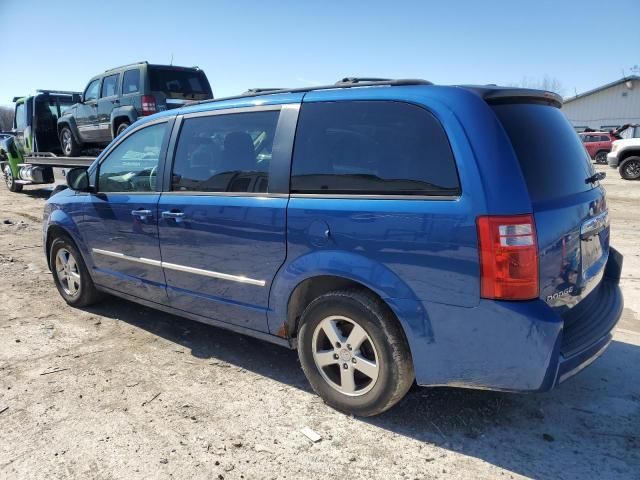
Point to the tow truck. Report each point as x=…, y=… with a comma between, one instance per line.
x=32, y=150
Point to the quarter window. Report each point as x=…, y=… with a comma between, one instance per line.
x=225, y=153
x=132, y=165
x=131, y=81
x=371, y=147
x=91, y=93
x=109, y=86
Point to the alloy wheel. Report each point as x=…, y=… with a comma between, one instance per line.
x=345, y=355
x=8, y=177
x=632, y=169
x=68, y=272
x=66, y=140
x=601, y=157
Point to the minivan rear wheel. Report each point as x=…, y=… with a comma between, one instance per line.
x=630, y=168
x=354, y=352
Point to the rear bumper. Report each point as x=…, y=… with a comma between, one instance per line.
x=612, y=160
x=519, y=346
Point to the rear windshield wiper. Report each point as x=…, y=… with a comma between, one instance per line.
x=596, y=177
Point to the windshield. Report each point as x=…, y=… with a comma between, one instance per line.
x=552, y=157
x=187, y=84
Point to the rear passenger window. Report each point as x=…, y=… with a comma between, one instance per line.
x=131, y=81
x=371, y=147
x=225, y=153
x=109, y=85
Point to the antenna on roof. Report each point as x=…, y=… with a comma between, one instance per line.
x=171, y=62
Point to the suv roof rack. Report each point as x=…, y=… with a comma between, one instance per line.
x=262, y=90
x=57, y=92
x=347, y=82
x=127, y=65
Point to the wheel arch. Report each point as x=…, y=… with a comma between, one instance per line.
x=61, y=225
x=69, y=122
x=299, y=284
x=625, y=154
x=120, y=115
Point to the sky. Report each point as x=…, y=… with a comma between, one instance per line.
x=242, y=44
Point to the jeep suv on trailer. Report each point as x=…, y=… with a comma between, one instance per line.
x=116, y=98
x=394, y=231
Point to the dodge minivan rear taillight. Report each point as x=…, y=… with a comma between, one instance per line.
x=508, y=257
x=148, y=105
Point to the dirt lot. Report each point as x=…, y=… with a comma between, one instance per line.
x=121, y=391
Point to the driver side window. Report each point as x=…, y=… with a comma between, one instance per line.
x=91, y=93
x=132, y=166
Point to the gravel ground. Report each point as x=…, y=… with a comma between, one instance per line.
x=122, y=391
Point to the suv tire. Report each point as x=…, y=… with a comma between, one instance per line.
x=70, y=147
x=601, y=157
x=10, y=181
x=354, y=352
x=70, y=273
x=630, y=168
x=122, y=127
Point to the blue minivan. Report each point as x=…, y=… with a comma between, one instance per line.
x=390, y=231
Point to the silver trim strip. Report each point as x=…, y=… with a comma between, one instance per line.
x=209, y=273
x=146, y=261
x=357, y=196
x=182, y=268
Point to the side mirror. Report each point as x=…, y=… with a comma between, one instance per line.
x=78, y=179
x=76, y=98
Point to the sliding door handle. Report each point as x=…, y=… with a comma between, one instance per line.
x=141, y=213
x=173, y=215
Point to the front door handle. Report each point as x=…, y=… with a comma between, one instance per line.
x=142, y=213
x=175, y=215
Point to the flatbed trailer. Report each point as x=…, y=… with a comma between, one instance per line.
x=46, y=159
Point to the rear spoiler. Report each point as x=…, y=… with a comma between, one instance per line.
x=493, y=95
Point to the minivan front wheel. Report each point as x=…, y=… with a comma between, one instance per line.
x=70, y=274
x=354, y=352
x=630, y=169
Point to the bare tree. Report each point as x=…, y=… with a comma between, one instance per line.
x=6, y=118
x=547, y=82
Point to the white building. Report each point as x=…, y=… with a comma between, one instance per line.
x=607, y=107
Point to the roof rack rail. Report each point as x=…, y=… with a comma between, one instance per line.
x=351, y=80
x=347, y=82
x=57, y=92
x=263, y=90
x=127, y=65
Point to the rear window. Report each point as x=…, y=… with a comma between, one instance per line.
x=551, y=155
x=183, y=84
x=371, y=148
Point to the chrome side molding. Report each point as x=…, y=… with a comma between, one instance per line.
x=182, y=268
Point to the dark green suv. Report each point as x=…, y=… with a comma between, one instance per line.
x=116, y=98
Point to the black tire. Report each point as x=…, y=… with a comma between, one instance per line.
x=121, y=128
x=385, y=346
x=10, y=181
x=630, y=168
x=601, y=157
x=70, y=147
x=83, y=293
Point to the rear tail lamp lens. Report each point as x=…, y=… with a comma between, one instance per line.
x=149, y=105
x=508, y=257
